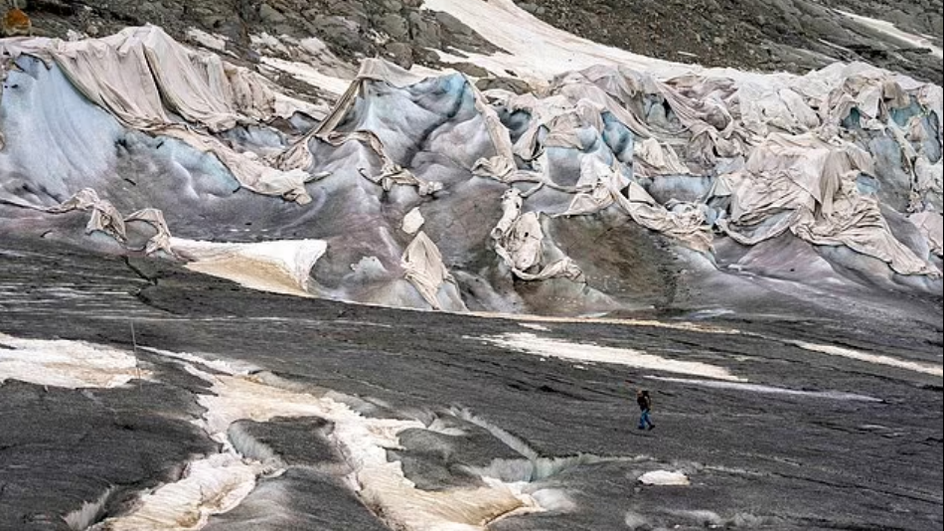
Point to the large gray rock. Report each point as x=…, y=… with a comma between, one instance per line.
x=338, y=30
x=394, y=25
x=400, y=53
x=424, y=30
x=452, y=24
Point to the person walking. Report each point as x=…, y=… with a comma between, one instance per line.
x=645, y=406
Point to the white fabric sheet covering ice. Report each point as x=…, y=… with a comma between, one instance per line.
x=135, y=73
x=106, y=218
x=781, y=153
x=424, y=268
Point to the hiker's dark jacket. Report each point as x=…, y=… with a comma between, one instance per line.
x=644, y=402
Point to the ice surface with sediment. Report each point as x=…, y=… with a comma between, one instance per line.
x=219, y=482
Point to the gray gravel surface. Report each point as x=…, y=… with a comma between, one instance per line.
x=756, y=460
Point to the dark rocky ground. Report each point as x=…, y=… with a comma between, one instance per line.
x=757, y=461
x=398, y=30
x=754, y=34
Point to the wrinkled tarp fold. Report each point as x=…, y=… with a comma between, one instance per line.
x=142, y=76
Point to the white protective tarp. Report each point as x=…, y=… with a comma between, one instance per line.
x=106, y=218
x=143, y=77
x=931, y=226
x=811, y=185
x=299, y=155
x=424, y=268
x=519, y=240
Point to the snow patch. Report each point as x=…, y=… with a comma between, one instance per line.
x=891, y=30
x=309, y=74
x=362, y=441
x=62, y=363
x=280, y=266
x=522, y=319
x=664, y=478
x=536, y=51
x=231, y=367
x=766, y=389
x=212, y=485
x=213, y=42
x=878, y=359
x=532, y=344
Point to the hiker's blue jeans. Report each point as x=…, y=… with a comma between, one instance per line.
x=644, y=421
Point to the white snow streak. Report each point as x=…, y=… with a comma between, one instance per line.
x=538, y=51
x=61, y=363
x=879, y=359
x=889, y=29
x=556, y=348
x=664, y=478
x=766, y=389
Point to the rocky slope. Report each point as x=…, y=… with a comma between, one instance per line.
x=792, y=35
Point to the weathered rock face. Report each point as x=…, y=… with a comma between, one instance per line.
x=779, y=35
x=398, y=30
x=757, y=34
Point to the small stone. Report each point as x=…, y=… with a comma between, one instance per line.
x=270, y=15
x=719, y=41
x=400, y=54
x=286, y=29
x=470, y=69
x=394, y=6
